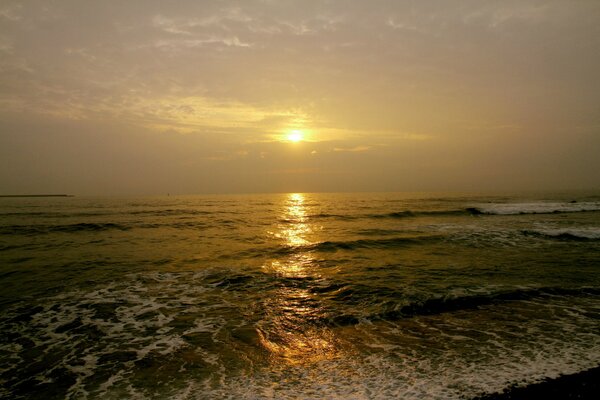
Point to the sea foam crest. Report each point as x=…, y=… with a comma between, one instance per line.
x=536, y=208
x=583, y=233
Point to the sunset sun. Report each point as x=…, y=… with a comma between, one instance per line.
x=295, y=136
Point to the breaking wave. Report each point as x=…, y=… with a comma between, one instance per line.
x=534, y=208
x=575, y=234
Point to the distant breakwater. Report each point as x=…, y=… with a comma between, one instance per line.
x=36, y=195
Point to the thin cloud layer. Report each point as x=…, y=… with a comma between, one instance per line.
x=391, y=95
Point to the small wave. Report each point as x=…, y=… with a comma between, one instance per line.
x=575, y=234
x=395, y=214
x=28, y=214
x=58, y=214
x=332, y=216
x=42, y=229
x=425, y=213
x=334, y=246
x=86, y=226
x=533, y=208
x=442, y=305
x=168, y=212
x=448, y=304
x=384, y=243
x=379, y=232
x=478, y=209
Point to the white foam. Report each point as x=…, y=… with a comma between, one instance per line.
x=139, y=312
x=583, y=232
x=536, y=208
x=83, y=372
x=447, y=356
x=434, y=366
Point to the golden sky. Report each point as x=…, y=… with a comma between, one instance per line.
x=154, y=97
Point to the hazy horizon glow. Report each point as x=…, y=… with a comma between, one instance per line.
x=146, y=97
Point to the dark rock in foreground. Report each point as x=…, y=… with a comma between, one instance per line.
x=582, y=385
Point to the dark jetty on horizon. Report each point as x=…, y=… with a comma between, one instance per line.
x=36, y=195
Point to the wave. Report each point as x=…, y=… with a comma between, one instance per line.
x=168, y=212
x=332, y=216
x=396, y=214
x=332, y=246
x=575, y=234
x=383, y=243
x=69, y=228
x=27, y=214
x=475, y=210
x=56, y=214
x=174, y=324
x=97, y=227
x=432, y=213
x=533, y=208
x=440, y=305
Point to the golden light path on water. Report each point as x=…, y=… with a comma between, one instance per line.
x=293, y=329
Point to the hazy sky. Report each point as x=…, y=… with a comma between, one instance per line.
x=155, y=97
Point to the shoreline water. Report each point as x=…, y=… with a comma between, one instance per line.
x=338, y=296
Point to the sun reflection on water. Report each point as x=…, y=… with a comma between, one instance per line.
x=296, y=221
x=293, y=329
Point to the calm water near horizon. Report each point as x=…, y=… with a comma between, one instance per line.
x=296, y=295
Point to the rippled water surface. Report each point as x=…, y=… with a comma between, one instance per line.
x=295, y=296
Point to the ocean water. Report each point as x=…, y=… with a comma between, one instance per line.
x=350, y=296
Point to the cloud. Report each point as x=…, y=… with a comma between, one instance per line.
x=11, y=12
x=179, y=44
x=415, y=136
x=355, y=149
x=496, y=17
x=425, y=80
x=221, y=20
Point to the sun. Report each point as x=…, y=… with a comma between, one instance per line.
x=295, y=136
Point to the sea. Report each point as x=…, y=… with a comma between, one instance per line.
x=296, y=296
